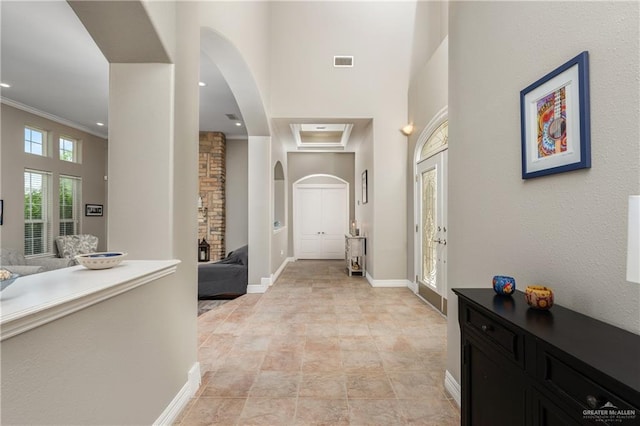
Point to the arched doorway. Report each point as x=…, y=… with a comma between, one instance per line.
x=238, y=76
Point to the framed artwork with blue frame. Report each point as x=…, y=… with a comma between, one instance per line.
x=555, y=122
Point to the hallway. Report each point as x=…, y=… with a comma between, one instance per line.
x=320, y=347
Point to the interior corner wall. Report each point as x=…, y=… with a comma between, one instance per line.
x=569, y=230
x=92, y=170
x=237, y=185
x=428, y=94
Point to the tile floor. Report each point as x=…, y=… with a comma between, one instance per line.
x=322, y=348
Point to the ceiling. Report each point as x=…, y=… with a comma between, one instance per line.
x=59, y=72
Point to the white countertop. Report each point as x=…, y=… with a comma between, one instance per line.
x=37, y=299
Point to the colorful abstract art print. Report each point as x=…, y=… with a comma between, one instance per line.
x=554, y=121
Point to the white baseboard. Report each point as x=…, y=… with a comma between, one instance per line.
x=275, y=275
x=180, y=401
x=452, y=387
x=387, y=283
x=265, y=282
x=413, y=286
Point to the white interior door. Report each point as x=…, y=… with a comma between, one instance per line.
x=432, y=226
x=309, y=211
x=334, y=222
x=321, y=221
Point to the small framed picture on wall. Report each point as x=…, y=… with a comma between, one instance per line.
x=365, y=195
x=93, y=209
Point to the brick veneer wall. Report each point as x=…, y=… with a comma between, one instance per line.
x=212, y=177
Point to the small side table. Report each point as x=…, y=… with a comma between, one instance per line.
x=355, y=253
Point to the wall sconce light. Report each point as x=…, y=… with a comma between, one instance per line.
x=408, y=129
x=633, y=240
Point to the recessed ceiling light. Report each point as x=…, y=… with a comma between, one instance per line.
x=202, y=84
x=5, y=85
x=99, y=124
x=239, y=124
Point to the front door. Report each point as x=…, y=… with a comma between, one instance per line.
x=432, y=229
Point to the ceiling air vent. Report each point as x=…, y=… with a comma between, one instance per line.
x=232, y=117
x=342, y=61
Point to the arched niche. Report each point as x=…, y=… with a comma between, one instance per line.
x=279, y=197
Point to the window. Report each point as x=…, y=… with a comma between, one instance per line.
x=35, y=141
x=437, y=141
x=70, y=205
x=37, y=212
x=69, y=150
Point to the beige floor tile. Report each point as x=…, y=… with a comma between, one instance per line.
x=214, y=411
x=323, y=386
x=357, y=343
x=322, y=348
x=282, y=361
x=229, y=383
x=362, y=361
x=369, y=386
x=326, y=412
x=414, y=384
x=314, y=361
x=430, y=411
x=276, y=384
x=374, y=412
x=268, y=411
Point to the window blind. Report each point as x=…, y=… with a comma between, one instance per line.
x=37, y=213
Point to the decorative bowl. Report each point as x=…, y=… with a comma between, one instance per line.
x=539, y=297
x=102, y=260
x=6, y=283
x=504, y=285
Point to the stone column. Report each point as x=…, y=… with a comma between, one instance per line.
x=212, y=178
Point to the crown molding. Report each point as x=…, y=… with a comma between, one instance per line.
x=52, y=117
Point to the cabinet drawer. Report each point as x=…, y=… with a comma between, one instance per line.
x=506, y=339
x=577, y=387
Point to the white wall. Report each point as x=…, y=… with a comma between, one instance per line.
x=260, y=207
x=567, y=231
x=141, y=158
x=305, y=37
x=237, y=202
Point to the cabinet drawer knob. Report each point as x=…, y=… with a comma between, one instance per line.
x=486, y=328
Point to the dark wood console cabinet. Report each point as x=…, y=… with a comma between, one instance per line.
x=522, y=366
